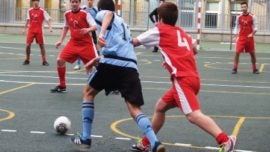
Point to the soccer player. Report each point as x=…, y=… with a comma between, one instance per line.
x=247, y=23
x=34, y=23
x=93, y=12
x=81, y=24
x=117, y=70
x=178, y=49
x=154, y=18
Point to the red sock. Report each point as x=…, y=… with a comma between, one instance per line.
x=27, y=57
x=254, y=66
x=145, y=141
x=44, y=58
x=235, y=66
x=222, y=138
x=62, y=76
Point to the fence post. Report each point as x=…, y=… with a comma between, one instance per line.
x=199, y=25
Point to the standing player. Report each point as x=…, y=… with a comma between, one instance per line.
x=245, y=42
x=34, y=23
x=154, y=18
x=117, y=70
x=80, y=44
x=93, y=12
x=178, y=51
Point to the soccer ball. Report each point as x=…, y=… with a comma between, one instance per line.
x=62, y=125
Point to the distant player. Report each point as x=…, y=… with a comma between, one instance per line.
x=117, y=70
x=93, y=12
x=247, y=23
x=81, y=24
x=34, y=23
x=178, y=49
x=154, y=18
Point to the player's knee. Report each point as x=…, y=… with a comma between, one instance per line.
x=60, y=63
x=89, y=93
x=194, y=117
x=160, y=107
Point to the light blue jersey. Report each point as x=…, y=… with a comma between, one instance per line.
x=119, y=51
x=92, y=10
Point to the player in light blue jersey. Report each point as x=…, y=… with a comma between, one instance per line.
x=93, y=12
x=117, y=70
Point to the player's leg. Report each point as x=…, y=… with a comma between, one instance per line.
x=253, y=61
x=239, y=48
x=236, y=62
x=43, y=55
x=29, y=40
x=78, y=65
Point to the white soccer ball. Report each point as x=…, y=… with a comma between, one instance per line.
x=62, y=125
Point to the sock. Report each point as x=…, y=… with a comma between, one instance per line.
x=145, y=142
x=79, y=62
x=88, y=113
x=43, y=58
x=145, y=125
x=62, y=76
x=222, y=138
x=235, y=66
x=254, y=66
x=27, y=57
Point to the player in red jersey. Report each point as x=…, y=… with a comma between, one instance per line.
x=81, y=24
x=247, y=25
x=178, y=49
x=34, y=23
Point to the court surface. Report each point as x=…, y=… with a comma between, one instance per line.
x=239, y=103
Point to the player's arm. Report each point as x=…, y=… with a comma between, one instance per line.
x=236, y=28
x=107, y=20
x=27, y=22
x=152, y=15
x=148, y=39
x=63, y=35
x=255, y=26
x=48, y=20
x=92, y=24
x=194, y=45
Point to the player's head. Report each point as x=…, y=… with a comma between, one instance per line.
x=106, y=5
x=161, y=1
x=168, y=13
x=244, y=7
x=75, y=5
x=35, y=3
x=90, y=3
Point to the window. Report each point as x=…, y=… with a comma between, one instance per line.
x=211, y=15
x=186, y=16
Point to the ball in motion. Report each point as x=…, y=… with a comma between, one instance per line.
x=62, y=125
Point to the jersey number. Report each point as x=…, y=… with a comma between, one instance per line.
x=182, y=42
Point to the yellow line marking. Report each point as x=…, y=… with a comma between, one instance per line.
x=9, y=116
x=211, y=66
x=261, y=68
x=15, y=89
x=238, y=126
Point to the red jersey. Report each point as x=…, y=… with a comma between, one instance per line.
x=246, y=24
x=36, y=16
x=176, y=47
x=76, y=21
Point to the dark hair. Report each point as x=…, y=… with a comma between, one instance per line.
x=168, y=12
x=106, y=5
x=161, y=0
x=244, y=3
x=35, y=0
x=79, y=0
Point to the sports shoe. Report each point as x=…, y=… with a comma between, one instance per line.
x=77, y=67
x=26, y=62
x=256, y=71
x=234, y=71
x=58, y=89
x=139, y=147
x=45, y=63
x=158, y=147
x=81, y=143
x=229, y=145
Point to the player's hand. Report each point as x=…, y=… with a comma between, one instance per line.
x=24, y=31
x=250, y=35
x=101, y=41
x=58, y=44
x=51, y=30
x=85, y=31
x=89, y=66
x=234, y=38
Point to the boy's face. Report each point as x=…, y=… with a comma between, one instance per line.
x=244, y=8
x=75, y=5
x=35, y=3
x=90, y=3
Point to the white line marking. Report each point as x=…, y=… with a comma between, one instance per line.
x=70, y=134
x=183, y=145
x=96, y=136
x=211, y=148
x=8, y=130
x=122, y=138
x=37, y=132
x=238, y=150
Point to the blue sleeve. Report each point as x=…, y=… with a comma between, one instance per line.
x=100, y=15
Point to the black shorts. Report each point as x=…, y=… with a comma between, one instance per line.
x=112, y=78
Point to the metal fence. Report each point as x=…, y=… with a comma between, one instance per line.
x=135, y=13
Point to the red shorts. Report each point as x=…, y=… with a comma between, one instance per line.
x=37, y=36
x=73, y=50
x=183, y=94
x=245, y=45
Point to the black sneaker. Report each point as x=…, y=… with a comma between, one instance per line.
x=81, y=143
x=158, y=147
x=45, y=63
x=155, y=50
x=58, y=89
x=234, y=71
x=256, y=71
x=26, y=62
x=139, y=148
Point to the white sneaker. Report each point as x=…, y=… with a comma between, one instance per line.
x=229, y=145
x=77, y=67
